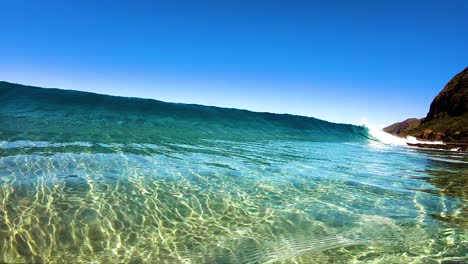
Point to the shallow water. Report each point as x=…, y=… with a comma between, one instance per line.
x=88, y=178
x=231, y=202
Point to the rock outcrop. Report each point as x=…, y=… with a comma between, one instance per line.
x=400, y=128
x=452, y=101
x=447, y=119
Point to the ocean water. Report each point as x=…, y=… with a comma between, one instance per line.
x=88, y=178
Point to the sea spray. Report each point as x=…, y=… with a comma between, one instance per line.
x=377, y=133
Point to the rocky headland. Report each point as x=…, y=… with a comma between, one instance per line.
x=446, y=121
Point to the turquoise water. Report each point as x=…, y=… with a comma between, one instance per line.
x=93, y=178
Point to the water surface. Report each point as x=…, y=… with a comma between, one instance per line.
x=92, y=178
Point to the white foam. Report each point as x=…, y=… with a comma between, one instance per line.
x=386, y=138
x=410, y=139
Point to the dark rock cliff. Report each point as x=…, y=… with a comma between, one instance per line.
x=447, y=119
x=452, y=100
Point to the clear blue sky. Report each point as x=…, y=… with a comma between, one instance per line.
x=336, y=60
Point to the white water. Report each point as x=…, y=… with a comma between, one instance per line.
x=386, y=138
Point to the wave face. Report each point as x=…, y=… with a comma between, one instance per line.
x=64, y=115
x=88, y=178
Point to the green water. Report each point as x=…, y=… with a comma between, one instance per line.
x=91, y=178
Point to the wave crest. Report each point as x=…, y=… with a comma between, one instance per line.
x=38, y=114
